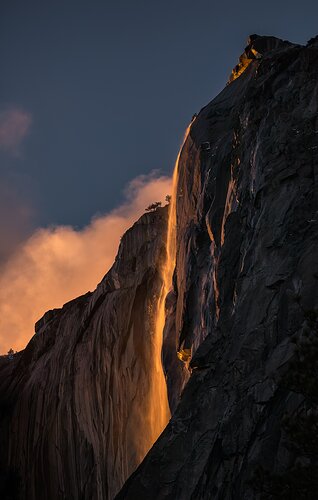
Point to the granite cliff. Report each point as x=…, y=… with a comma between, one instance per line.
x=246, y=275
x=74, y=402
x=87, y=398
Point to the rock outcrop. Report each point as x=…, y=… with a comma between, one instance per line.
x=77, y=405
x=246, y=275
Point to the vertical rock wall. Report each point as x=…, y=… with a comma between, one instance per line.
x=246, y=275
x=75, y=410
x=76, y=406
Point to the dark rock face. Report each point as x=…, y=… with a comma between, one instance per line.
x=77, y=405
x=246, y=275
x=256, y=47
x=74, y=402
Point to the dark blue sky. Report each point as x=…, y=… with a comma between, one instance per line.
x=110, y=86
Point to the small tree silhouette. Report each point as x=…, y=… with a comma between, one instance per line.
x=10, y=353
x=153, y=206
x=168, y=198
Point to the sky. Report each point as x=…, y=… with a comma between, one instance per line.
x=94, y=94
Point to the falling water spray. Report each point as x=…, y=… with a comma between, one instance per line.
x=159, y=406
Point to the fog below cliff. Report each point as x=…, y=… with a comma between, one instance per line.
x=59, y=263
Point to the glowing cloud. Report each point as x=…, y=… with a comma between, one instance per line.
x=57, y=264
x=16, y=219
x=14, y=126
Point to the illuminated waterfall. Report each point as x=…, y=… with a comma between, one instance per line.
x=170, y=262
x=159, y=407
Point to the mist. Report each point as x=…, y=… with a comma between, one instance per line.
x=56, y=264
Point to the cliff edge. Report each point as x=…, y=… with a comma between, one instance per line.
x=246, y=275
x=74, y=401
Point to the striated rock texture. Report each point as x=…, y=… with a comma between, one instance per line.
x=246, y=275
x=77, y=405
x=82, y=404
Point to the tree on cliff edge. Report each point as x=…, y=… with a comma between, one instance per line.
x=153, y=206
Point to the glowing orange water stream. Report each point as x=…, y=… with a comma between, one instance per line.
x=159, y=406
x=170, y=262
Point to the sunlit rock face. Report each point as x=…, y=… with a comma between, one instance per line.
x=256, y=47
x=246, y=274
x=81, y=405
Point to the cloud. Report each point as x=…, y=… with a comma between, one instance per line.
x=59, y=263
x=14, y=127
x=16, y=219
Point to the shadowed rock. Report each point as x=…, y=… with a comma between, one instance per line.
x=246, y=275
x=72, y=404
